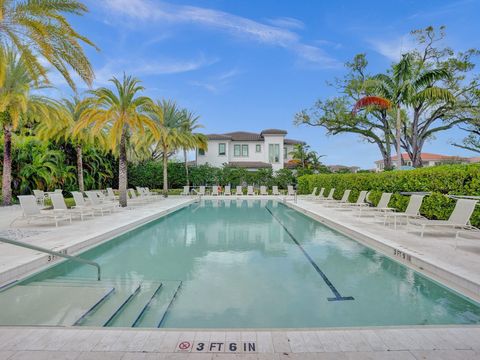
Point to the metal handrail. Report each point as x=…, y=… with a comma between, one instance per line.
x=54, y=253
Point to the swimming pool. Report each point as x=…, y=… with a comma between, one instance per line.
x=234, y=264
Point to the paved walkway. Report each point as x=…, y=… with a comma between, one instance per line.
x=85, y=344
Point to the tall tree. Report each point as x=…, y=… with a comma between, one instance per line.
x=17, y=105
x=168, y=118
x=120, y=113
x=73, y=111
x=472, y=141
x=39, y=29
x=192, y=140
x=373, y=124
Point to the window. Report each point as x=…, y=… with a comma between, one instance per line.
x=201, y=152
x=221, y=149
x=240, y=150
x=258, y=148
x=274, y=153
x=245, y=150
x=285, y=153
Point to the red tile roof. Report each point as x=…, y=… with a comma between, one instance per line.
x=427, y=157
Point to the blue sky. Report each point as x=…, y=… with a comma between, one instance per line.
x=250, y=65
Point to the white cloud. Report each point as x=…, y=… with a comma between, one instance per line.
x=287, y=22
x=217, y=83
x=147, y=11
x=393, y=48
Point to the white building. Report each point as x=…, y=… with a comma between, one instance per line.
x=269, y=149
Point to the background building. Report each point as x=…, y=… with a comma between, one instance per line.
x=267, y=149
x=429, y=159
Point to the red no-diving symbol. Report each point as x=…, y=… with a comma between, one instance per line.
x=184, y=345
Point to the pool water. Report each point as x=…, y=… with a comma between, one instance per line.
x=236, y=264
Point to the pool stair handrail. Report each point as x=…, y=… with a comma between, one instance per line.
x=54, y=253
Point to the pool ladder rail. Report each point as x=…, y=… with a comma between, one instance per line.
x=54, y=253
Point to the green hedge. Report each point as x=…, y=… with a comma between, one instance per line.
x=440, y=180
x=150, y=174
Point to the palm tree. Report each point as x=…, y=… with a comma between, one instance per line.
x=193, y=140
x=301, y=153
x=169, y=118
x=410, y=84
x=119, y=113
x=73, y=111
x=18, y=104
x=40, y=29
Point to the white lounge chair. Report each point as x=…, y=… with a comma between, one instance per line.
x=275, y=190
x=239, y=190
x=215, y=190
x=144, y=193
x=328, y=198
x=291, y=191
x=31, y=211
x=459, y=219
x=319, y=196
x=382, y=206
x=411, y=212
x=60, y=206
x=227, y=191
x=111, y=195
x=201, y=190
x=95, y=203
x=263, y=190
x=39, y=197
x=135, y=198
x=312, y=195
x=250, y=190
x=186, y=191
x=80, y=203
x=343, y=200
x=362, y=196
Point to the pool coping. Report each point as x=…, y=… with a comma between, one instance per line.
x=41, y=261
x=398, y=253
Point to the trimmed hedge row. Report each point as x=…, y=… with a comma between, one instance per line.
x=440, y=180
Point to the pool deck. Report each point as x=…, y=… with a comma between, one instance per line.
x=339, y=344
x=455, y=264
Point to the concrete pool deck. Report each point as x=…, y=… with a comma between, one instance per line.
x=457, y=265
x=340, y=344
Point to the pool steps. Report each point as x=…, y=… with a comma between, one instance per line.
x=128, y=304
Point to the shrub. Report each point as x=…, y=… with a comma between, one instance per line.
x=439, y=180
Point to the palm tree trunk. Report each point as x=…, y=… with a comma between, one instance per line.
x=122, y=171
x=165, y=173
x=397, y=138
x=186, y=166
x=80, y=168
x=7, y=166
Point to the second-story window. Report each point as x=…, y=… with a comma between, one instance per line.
x=245, y=150
x=258, y=148
x=274, y=153
x=240, y=150
x=285, y=153
x=221, y=149
x=201, y=152
x=237, y=149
